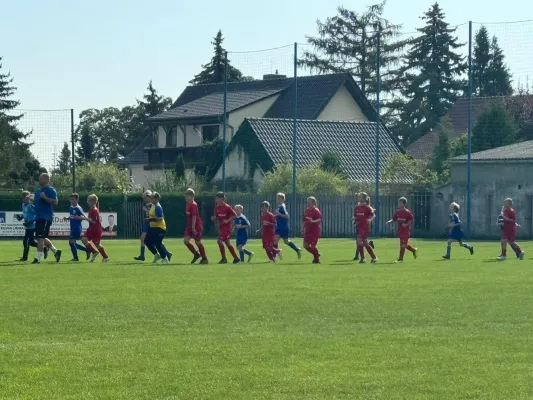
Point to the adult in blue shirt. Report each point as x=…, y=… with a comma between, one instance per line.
x=282, y=225
x=45, y=199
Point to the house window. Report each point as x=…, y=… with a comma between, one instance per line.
x=210, y=132
x=172, y=137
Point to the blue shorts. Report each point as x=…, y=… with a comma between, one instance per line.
x=456, y=236
x=146, y=228
x=75, y=235
x=282, y=232
x=242, y=241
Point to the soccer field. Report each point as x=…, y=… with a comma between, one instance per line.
x=425, y=329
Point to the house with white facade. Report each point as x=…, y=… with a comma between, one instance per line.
x=193, y=126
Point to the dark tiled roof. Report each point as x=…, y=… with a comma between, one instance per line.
x=138, y=155
x=518, y=151
x=422, y=149
x=353, y=142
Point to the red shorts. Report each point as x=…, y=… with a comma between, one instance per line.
x=268, y=244
x=94, y=237
x=363, y=233
x=311, y=239
x=224, y=235
x=509, y=235
x=404, y=237
x=189, y=233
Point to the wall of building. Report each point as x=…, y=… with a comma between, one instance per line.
x=342, y=107
x=142, y=177
x=256, y=110
x=506, y=171
x=237, y=165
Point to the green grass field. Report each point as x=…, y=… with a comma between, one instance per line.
x=426, y=329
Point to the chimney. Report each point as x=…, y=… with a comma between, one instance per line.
x=274, y=76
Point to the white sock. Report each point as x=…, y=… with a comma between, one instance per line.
x=53, y=249
x=39, y=255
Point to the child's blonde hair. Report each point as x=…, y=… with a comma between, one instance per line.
x=190, y=192
x=508, y=199
x=281, y=196
x=312, y=199
x=95, y=199
x=455, y=206
x=147, y=193
x=239, y=207
x=265, y=204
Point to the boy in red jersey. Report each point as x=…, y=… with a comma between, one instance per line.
x=363, y=216
x=224, y=214
x=194, y=229
x=405, y=218
x=268, y=227
x=94, y=232
x=311, y=229
x=509, y=231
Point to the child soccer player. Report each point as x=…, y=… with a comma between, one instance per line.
x=93, y=233
x=370, y=242
x=509, y=231
x=282, y=225
x=28, y=216
x=364, y=215
x=146, y=226
x=241, y=226
x=500, y=224
x=224, y=214
x=311, y=229
x=405, y=218
x=157, y=231
x=268, y=226
x=76, y=215
x=455, y=233
x=194, y=229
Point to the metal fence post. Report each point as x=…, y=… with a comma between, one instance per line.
x=72, y=142
x=378, y=122
x=225, y=120
x=469, y=163
x=294, y=136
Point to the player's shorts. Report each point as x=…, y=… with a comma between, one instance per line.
x=509, y=235
x=94, y=237
x=42, y=228
x=404, y=237
x=311, y=239
x=268, y=243
x=146, y=228
x=456, y=236
x=224, y=235
x=363, y=233
x=282, y=232
x=241, y=241
x=189, y=233
x=75, y=236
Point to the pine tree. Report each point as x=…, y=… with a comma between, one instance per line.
x=481, y=63
x=213, y=72
x=180, y=166
x=347, y=42
x=153, y=103
x=431, y=77
x=494, y=127
x=86, y=150
x=499, y=76
x=64, y=163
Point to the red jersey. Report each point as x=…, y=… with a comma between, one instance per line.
x=362, y=213
x=222, y=214
x=268, y=230
x=95, y=226
x=509, y=225
x=403, y=216
x=191, y=209
x=312, y=229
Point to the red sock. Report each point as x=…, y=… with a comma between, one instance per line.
x=102, y=252
x=233, y=253
x=362, y=251
x=270, y=254
x=192, y=249
x=504, y=251
x=275, y=250
x=516, y=248
x=402, y=252
x=370, y=251
x=410, y=248
x=222, y=250
x=201, y=249
x=310, y=250
x=315, y=253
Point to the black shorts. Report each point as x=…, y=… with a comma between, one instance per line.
x=42, y=228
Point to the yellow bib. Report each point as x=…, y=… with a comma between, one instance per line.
x=157, y=224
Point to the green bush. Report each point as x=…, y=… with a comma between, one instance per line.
x=95, y=177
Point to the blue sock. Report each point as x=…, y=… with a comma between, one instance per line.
x=247, y=252
x=241, y=253
x=143, y=247
x=74, y=250
x=448, y=251
x=81, y=248
x=293, y=246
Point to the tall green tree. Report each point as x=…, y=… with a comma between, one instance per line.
x=521, y=108
x=499, y=75
x=494, y=127
x=481, y=63
x=85, y=151
x=213, y=72
x=64, y=163
x=347, y=42
x=431, y=77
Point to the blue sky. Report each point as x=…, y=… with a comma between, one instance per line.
x=79, y=55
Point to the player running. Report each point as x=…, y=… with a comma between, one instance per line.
x=356, y=227
x=195, y=229
x=282, y=225
x=75, y=217
x=268, y=226
x=509, y=231
x=225, y=215
x=241, y=227
x=147, y=204
x=455, y=233
x=404, y=218
x=311, y=229
x=157, y=232
x=93, y=235
x=28, y=216
x=364, y=215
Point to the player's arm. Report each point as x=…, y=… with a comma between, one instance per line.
x=393, y=219
x=52, y=200
x=285, y=214
x=245, y=224
x=372, y=215
x=318, y=218
x=512, y=218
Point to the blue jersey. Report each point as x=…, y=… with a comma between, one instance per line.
x=43, y=209
x=282, y=223
x=456, y=232
x=243, y=232
x=28, y=211
x=75, y=224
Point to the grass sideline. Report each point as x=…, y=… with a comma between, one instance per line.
x=425, y=329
